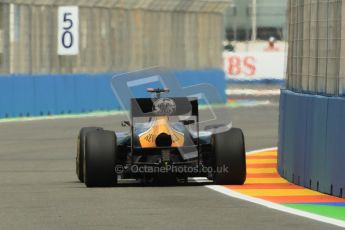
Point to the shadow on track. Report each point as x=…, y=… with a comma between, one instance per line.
x=123, y=183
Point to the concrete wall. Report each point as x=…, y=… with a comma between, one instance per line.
x=113, y=35
x=316, y=41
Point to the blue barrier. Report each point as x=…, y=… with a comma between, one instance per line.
x=316, y=154
x=47, y=94
x=311, y=141
x=6, y=99
x=335, y=140
x=294, y=134
x=281, y=133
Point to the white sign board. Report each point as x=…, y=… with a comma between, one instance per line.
x=254, y=65
x=68, y=30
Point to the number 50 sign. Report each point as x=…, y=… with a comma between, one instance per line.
x=68, y=30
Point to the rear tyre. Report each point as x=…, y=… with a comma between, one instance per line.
x=230, y=157
x=100, y=158
x=81, y=150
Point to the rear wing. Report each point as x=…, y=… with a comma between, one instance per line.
x=152, y=107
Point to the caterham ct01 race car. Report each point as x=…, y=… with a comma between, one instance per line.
x=163, y=143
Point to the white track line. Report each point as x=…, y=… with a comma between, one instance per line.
x=231, y=193
x=262, y=150
x=252, y=92
x=271, y=205
x=65, y=116
x=255, y=103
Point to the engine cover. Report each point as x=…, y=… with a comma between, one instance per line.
x=157, y=135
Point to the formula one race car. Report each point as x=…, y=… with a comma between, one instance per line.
x=164, y=143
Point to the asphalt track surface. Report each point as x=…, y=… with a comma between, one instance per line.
x=39, y=189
